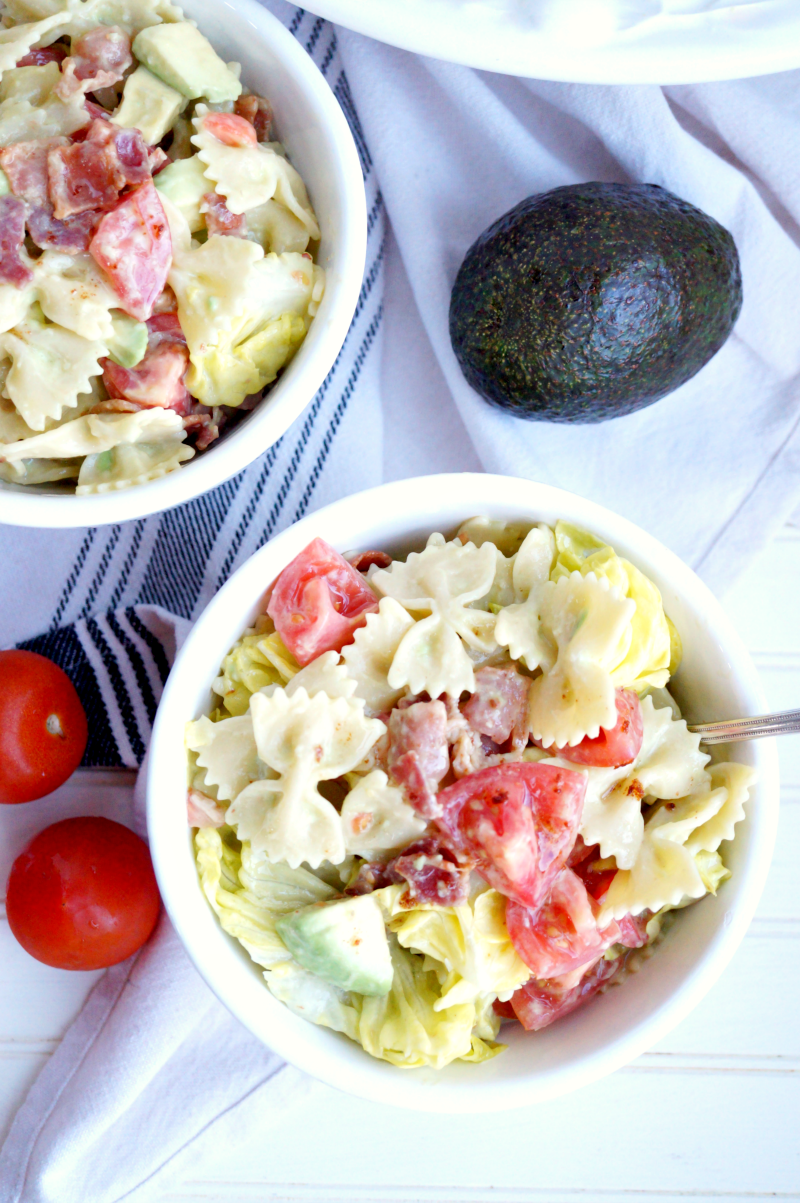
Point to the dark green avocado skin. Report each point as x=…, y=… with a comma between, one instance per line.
x=592, y=301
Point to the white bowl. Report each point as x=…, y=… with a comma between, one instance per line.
x=716, y=680
x=310, y=123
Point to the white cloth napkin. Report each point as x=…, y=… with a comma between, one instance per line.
x=154, y=1070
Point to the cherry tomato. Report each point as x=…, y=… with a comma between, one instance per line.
x=83, y=894
x=318, y=601
x=518, y=822
x=133, y=246
x=563, y=934
x=43, y=728
x=538, y=1004
x=615, y=745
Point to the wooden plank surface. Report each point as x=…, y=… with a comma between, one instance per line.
x=711, y=1113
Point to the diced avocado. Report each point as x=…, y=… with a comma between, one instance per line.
x=343, y=941
x=33, y=84
x=178, y=53
x=128, y=343
x=184, y=184
x=592, y=301
x=149, y=105
x=4, y=184
x=276, y=228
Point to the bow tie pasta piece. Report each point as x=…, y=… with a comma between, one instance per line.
x=14, y=304
x=130, y=464
x=227, y=751
x=369, y=657
x=587, y=621
x=736, y=779
x=12, y=427
x=305, y=741
x=17, y=40
x=376, y=819
x=248, y=176
x=79, y=16
x=666, y=871
x=670, y=763
x=22, y=121
x=323, y=675
x=211, y=283
x=96, y=433
x=73, y=293
x=440, y=581
x=650, y=657
x=517, y=575
x=51, y=367
x=471, y=940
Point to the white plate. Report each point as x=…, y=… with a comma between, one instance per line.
x=588, y=41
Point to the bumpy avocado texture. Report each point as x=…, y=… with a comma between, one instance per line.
x=592, y=301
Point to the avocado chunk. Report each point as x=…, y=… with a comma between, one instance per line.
x=178, y=54
x=592, y=301
x=185, y=185
x=128, y=342
x=149, y=105
x=343, y=941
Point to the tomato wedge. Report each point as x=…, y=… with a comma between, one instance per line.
x=562, y=935
x=518, y=822
x=318, y=601
x=538, y=1004
x=133, y=246
x=616, y=745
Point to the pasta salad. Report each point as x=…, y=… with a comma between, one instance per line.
x=450, y=790
x=156, y=271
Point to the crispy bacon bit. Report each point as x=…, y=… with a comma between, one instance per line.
x=499, y=706
x=158, y=381
x=96, y=112
x=25, y=165
x=164, y=328
x=40, y=58
x=116, y=405
x=13, y=269
x=538, y=1004
x=371, y=876
x=258, y=111
x=99, y=58
x=205, y=424
x=230, y=129
x=133, y=246
x=71, y=236
x=418, y=758
x=158, y=160
x=362, y=560
x=433, y=874
x=220, y=220
x=203, y=811
x=633, y=929
x=90, y=174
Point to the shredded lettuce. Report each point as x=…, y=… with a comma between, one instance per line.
x=653, y=652
x=256, y=660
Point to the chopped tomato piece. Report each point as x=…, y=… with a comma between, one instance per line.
x=318, y=601
x=220, y=220
x=230, y=129
x=518, y=822
x=133, y=246
x=615, y=745
x=538, y=1004
x=13, y=269
x=595, y=874
x=562, y=934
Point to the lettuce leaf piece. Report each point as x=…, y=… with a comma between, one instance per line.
x=255, y=661
x=712, y=870
x=653, y=652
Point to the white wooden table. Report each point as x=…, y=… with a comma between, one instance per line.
x=713, y=1112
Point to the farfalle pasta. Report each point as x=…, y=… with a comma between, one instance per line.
x=132, y=277
x=428, y=801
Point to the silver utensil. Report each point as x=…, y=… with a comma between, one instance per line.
x=735, y=730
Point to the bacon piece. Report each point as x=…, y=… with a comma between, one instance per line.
x=418, y=758
x=499, y=706
x=432, y=872
x=158, y=381
x=25, y=165
x=158, y=160
x=371, y=876
x=13, y=269
x=132, y=245
x=71, y=236
x=258, y=111
x=538, y=1004
x=633, y=929
x=205, y=424
x=362, y=560
x=89, y=174
x=230, y=129
x=99, y=58
x=40, y=58
x=116, y=405
x=220, y=220
x=203, y=811
x=164, y=328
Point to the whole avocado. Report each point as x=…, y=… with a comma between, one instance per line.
x=592, y=301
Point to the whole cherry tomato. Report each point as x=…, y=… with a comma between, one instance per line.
x=83, y=894
x=43, y=728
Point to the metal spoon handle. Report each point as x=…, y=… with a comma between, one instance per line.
x=735, y=730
